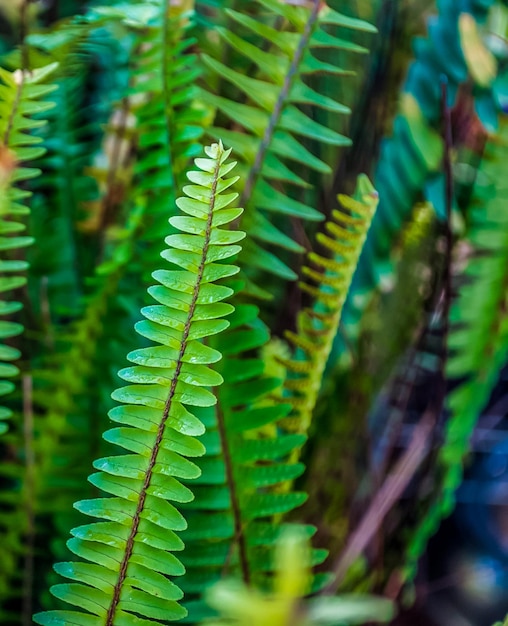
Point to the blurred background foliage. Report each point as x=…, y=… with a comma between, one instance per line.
x=407, y=456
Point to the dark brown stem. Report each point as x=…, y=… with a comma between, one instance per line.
x=167, y=408
x=235, y=503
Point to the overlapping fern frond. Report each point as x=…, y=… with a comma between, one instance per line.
x=327, y=282
x=152, y=118
x=275, y=128
x=479, y=335
x=21, y=107
x=21, y=101
x=62, y=190
x=127, y=556
x=63, y=455
x=231, y=521
x=234, y=521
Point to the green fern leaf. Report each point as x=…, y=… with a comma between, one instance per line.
x=272, y=144
x=327, y=282
x=160, y=102
x=127, y=556
x=169, y=124
x=234, y=519
x=21, y=95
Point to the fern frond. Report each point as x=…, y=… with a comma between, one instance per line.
x=478, y=339
x=274, y=127
x=129, y=553
x=231, y=528
x=234, y=521
x=60, y=442
x=169, y=124
x=160, y=97
x=15, y=504
x=160, y=66
x=83, y=183
x=327, y=281
x=21, y=98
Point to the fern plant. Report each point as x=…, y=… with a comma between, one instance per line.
x=226, y=403
x=328, y=286
x=478, y=341
x=231, y=521
x=410, y=162
x=21, y=98
x=275, y=127
x=128, y=576
x=250, y=459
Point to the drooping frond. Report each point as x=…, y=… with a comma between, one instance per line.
x=274, y=126
x=127, y=555
x=21, y=98
x=327, y=281
x=478, y=340
x=62, y=190
x=231, y=520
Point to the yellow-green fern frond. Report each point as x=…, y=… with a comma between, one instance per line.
x=327, y=281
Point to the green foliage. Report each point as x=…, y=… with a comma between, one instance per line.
x=409, y=166
x=241, y=606
x=221, y=415
x=169, y=124
x=479, y=337
x=156, y=427
x=21, y=99
x=231, y=520
x=328, y=286
x=270, y=107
